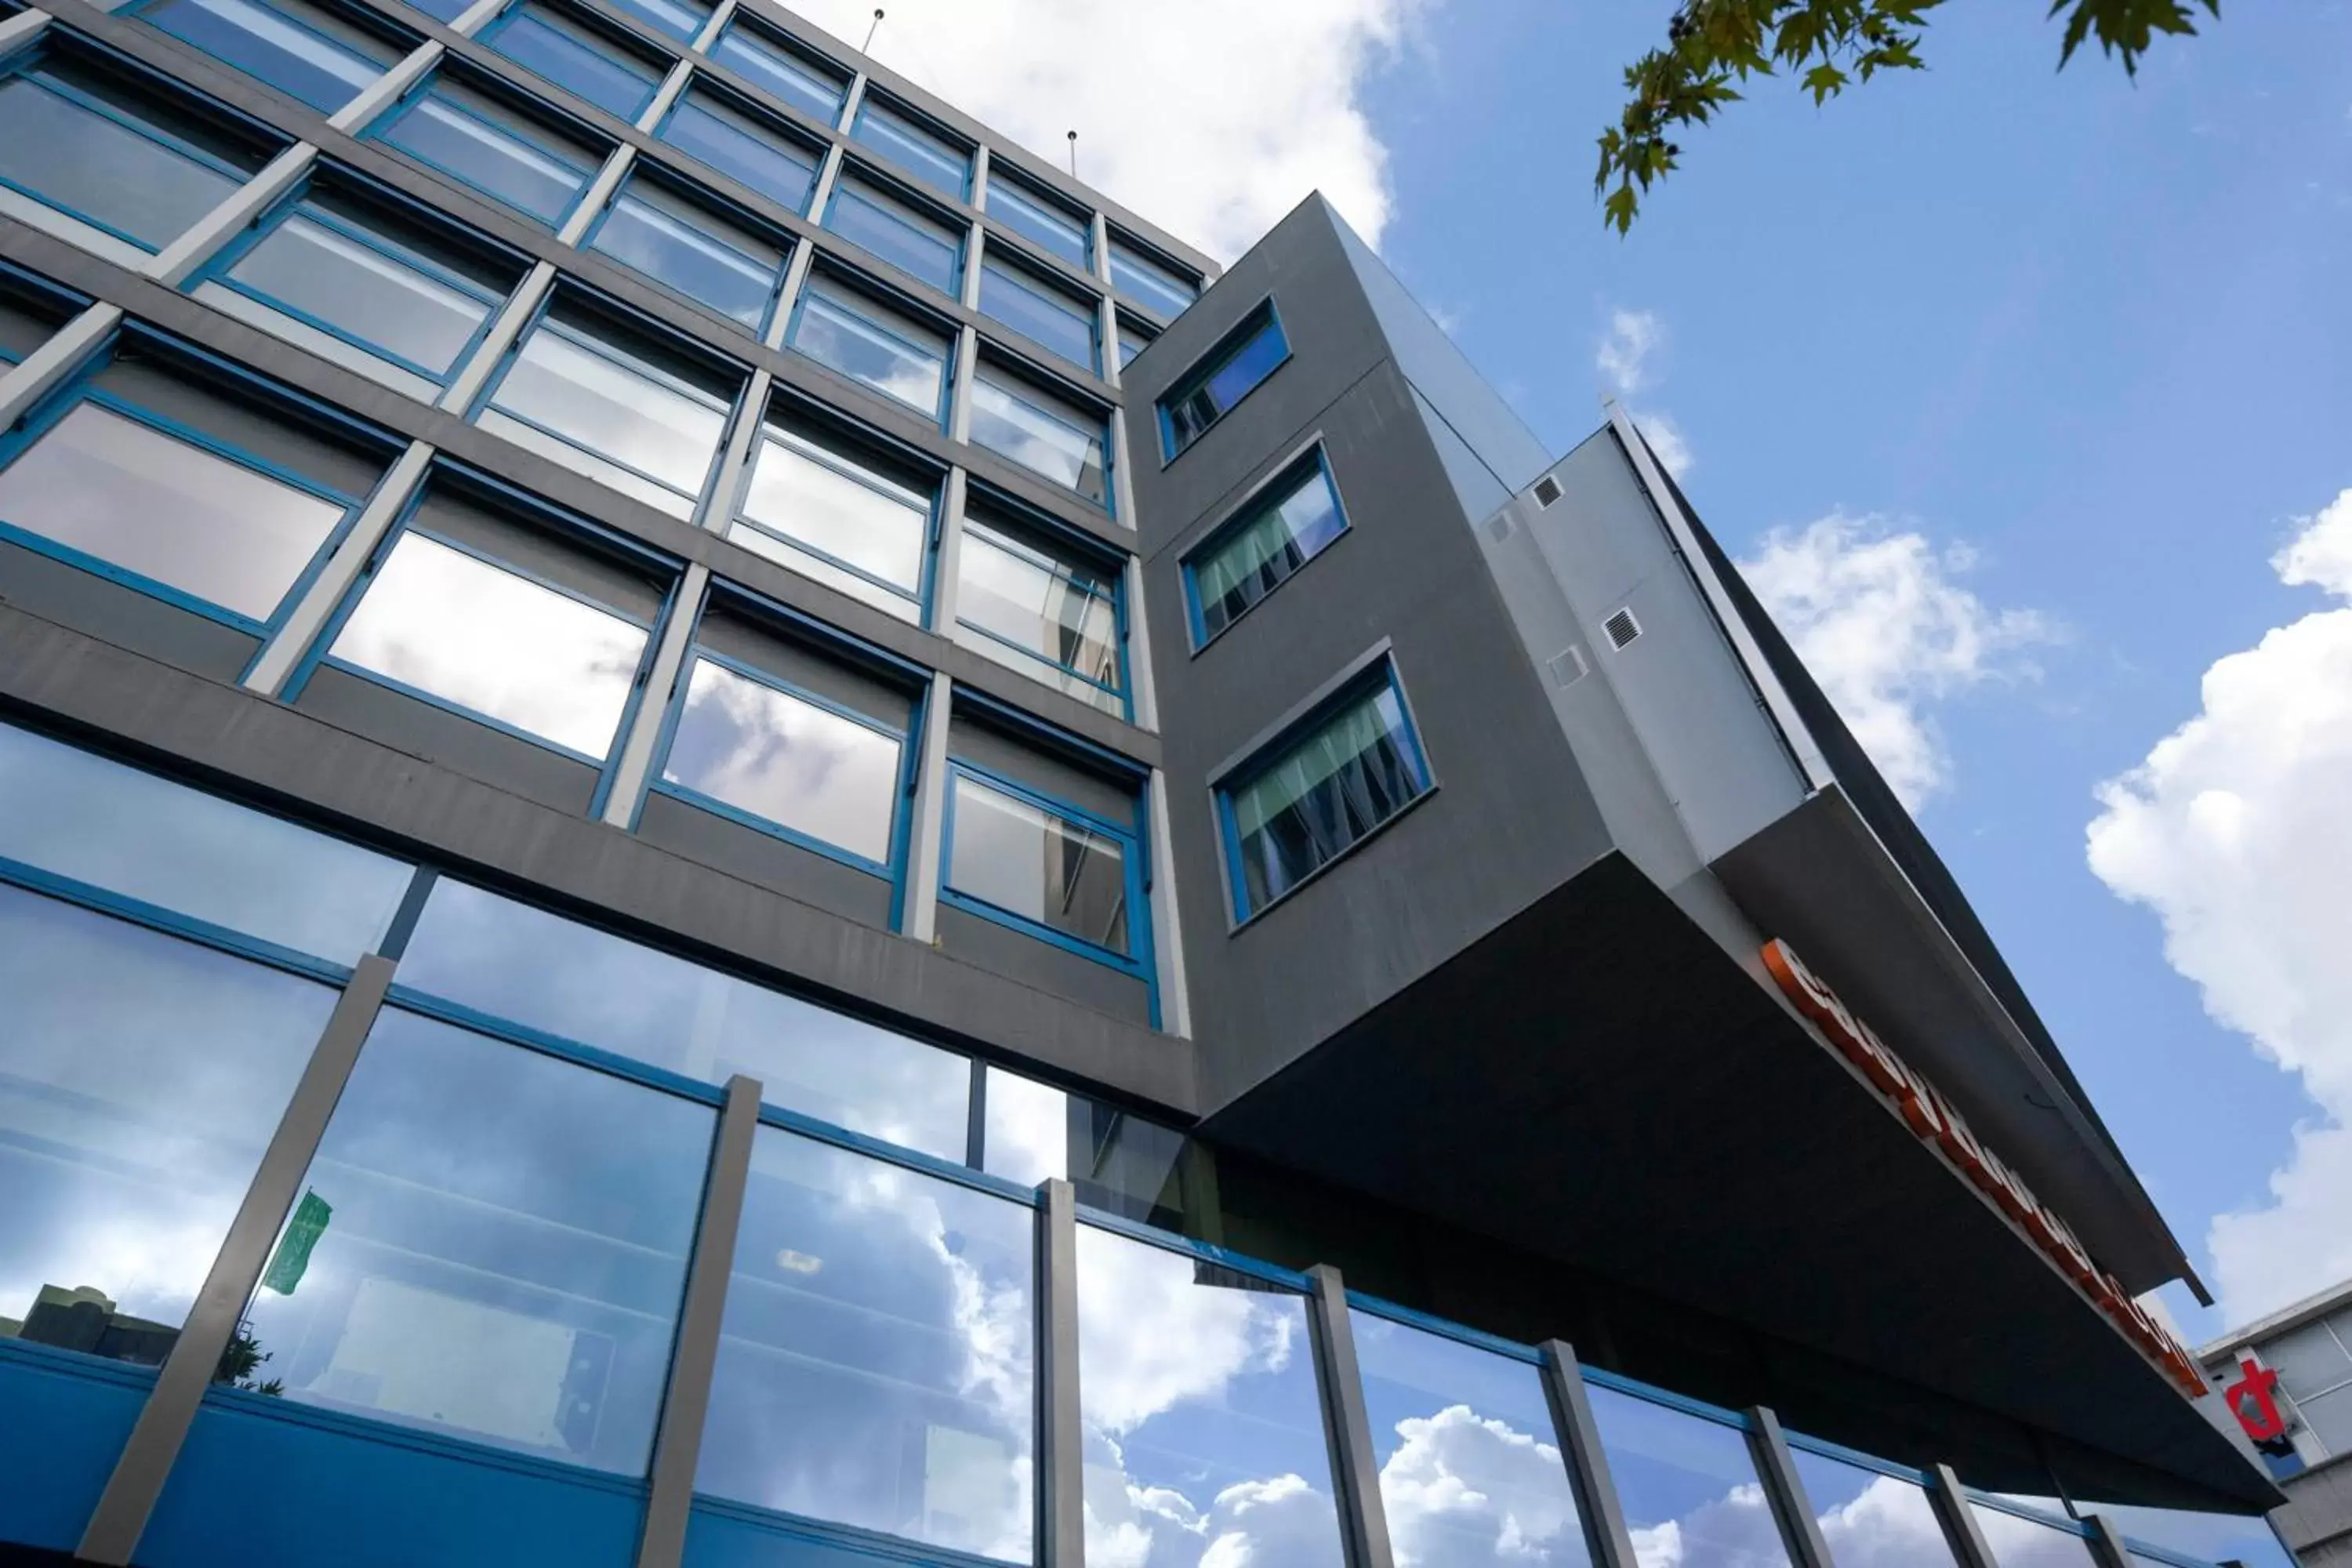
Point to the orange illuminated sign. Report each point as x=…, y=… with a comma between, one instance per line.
x=1931, y=1117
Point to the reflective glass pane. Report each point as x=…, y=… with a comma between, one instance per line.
x=1471, y=1473
x=1203, y=399
x=751, y=152
x=97, y=822
x=324, y=272
x=1870, y=1519
x=612, y=416
x=462, y=630
x=1119, y=1162
x=847, y=333
x=2330, y=1415
x=913, y=148
x=2216, y=1537
x=2309, y=1360
x=786, y=761
x=179, y=514
x=1252, y=559
x=1688, y=1486
x=874, y=1362
x=1037, y=219
x=2026, y=1544
x=1203, y=1430
x=697, y=264
x=1055, y=446
x=1064, y=613
x=445, y=10
x=1138, y=277
x=578, y=60
x=1357, y=769
x=140, y=1077
x=99, y=169
x=532, y=178
x=1041, y=315
x=510, y=961
x=841, y=508
x=806, y=86
x=896, y=233
x=263, y=41
x=681, y=19
x=491, y=1243
x=1025, y=1135
x=1130, y=343
x=1040, y=865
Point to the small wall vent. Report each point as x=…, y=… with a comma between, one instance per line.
x=1498, y=528
x=1567, y=666
x=1546, y=491
x=1621, y=627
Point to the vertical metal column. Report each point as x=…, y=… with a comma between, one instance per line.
x=2107, y=1542
x=678, y=1441
x=293, y=637
x=1061, y=1471
x=637, y=763
x=1612, y=1544
x=1354, y=1472
x=1786, y=1489
x=173, y=263
x=1961, y=1530
x=120, y=1516
x=918, y=901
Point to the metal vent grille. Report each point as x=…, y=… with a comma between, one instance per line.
x=1546, y=491
x=1621, y=627
x=1499, y=528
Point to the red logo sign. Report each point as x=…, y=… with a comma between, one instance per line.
x=2249, y=1400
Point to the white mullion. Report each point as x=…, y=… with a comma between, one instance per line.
x=665, y=95
x=947, y=569
x=918, y=905
x=21, y=30
x=635, y=766
x=721, y=14
x=293, y=638
x=468, y=383
x=388, y=87
x=172, y=264
x=1167, y=940
x=599, y=193
x=25, y=383
x=960, y=402
x=726, y=495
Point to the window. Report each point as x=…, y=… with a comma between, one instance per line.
x=910, y=239
x=1869, y=1517
x=814, y=89
x=1030, y=1131
x=1133, y=341
x=507, y=155
x=876, y=1360
x=851, y=521
x=1689, y=1478
x=363, y=286
x=742, y=147
x=112, y=159
x=1039, y=218
x=607, y=405
x=1249, y=354
x=508, y=961
x=2019, y=1542
x=1319, y=795
x=1200, y=1467
x=893, y=135
x=305, y=51
x=1049, y=435
x=1283, y=528
x=2215, y=1537
x=456, y=628
x=692, y=248
x=681, y=19
x=1149, y=282
x=1472, y=1425
x=585, y=61
x=1057, y=616
x=871, y=344
x=443, y=10
x=491, y=1243
x=1039, y=312
x=1053, y=870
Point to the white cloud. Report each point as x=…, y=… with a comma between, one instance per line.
x=1211, y=130
x=2234, y=832
x=1471, y=1491
x=1884, y=624
x=1624, y=358
x=1665, y=439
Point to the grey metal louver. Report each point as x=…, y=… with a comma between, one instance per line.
x=1546, y=491
x=1621, y=627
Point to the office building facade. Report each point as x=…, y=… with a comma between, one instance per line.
x=2287, y=1378
x=734, y=831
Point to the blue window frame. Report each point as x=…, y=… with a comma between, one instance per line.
x=1042, y=867
x=586, y=62
x=366, y=281
x=1040, y=313
x=1315, y=793
x=1056, y=615
x=810, y=85
x=1044, y=221
x=1277, y=530
x=889, y=351
x=892, y=134
x=305, y=51
x=743, y=146
x=681, y=19
x=920, y=243
x=115, y=154
x=484, y=140
x=1133, y=341
x=1236, y=367
x=1051, y=437
x=693, y=246
x=1148, y=281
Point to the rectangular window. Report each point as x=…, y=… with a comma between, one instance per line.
x=851, y=521
x=2031, y=1542
x=462, y=630
x=1867, y=1516
x=1053, y=869
x=1232, y=370
x=743, y=147
x=1050, y=436
x=1054, y=618
x=1044, y=221
x=895, y=136
x=915, y=241
x=875, y=1356
x=809, y=85
x=585, y=61
x=690, y=248
x=681, y=19
x=481, y=141
x=303, y=50
x=605, y=404
x=1133, y=341
x=1039, y=313
x=109, y=155
x=1687, y=1477
x=1317, y=794
x=1030, y=1131
x=1149, y=282
x=871, y=344
x=1285, y=527
x=364, y=286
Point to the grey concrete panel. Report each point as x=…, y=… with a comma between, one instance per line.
x=1961, y=1530
x=284, y=757
x=972, y=739
x=120, y=1516
x=1016, y=955
x=1346, y=1429
x=422, y=730
x=1603, y=1516
x=772, y=647
x=1786, y=1489
x=125, y=616
x=1061, y=1436
x=803, y=874
x=2318, y=1507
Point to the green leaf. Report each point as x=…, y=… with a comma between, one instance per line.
x=1823, y=80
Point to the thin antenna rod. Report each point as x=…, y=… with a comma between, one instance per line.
x=868, y=47
x=1074, y=154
